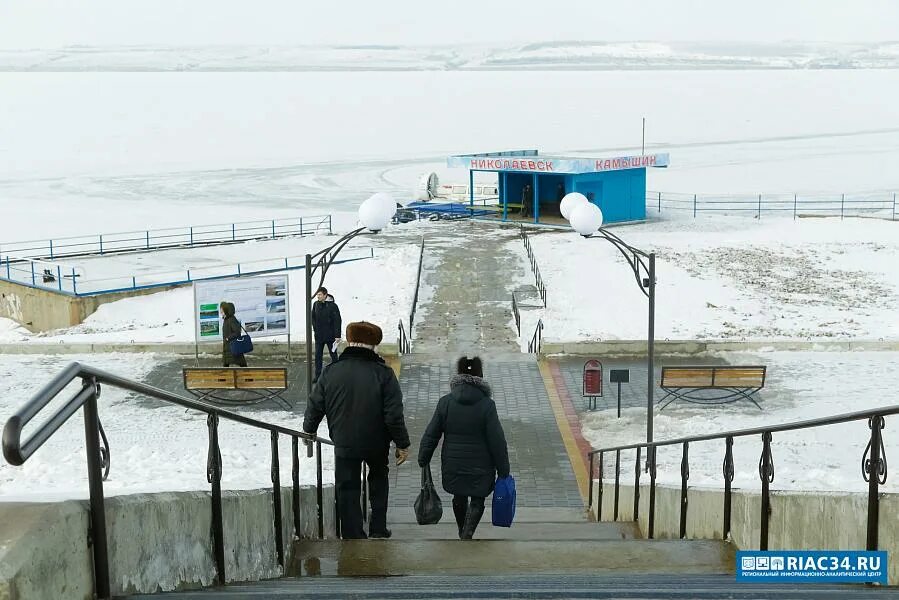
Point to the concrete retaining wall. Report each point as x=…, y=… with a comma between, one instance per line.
x=156, y=542
x=42, y=310
x=625, y=348
x=260, y=348
x=799, y=520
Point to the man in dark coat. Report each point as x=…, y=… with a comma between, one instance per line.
x=474, y=444
x=326, y=325
x=362, y=399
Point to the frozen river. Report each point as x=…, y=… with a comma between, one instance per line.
x=89, y=152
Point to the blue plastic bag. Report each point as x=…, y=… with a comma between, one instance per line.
x=504, y=502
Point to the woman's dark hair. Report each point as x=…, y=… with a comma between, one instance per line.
x=470, y=366
x=227, y=308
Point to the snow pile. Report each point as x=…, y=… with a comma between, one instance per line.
x=728, y=278
x=799, y=386
x=153, y=449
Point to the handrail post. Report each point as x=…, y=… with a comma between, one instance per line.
x=318, y=490
x=599, y=489
x=795, y=200
x=637, y=487
x=101, y=243
x=766, y=474
x=276, y=499
x=617, y=474
x=874, y=471
x=842, y=205
x=651, y=451
x=295, y=472
x=728, y=479
x=214, y=476
x=95, y=483
x=74, y=282
x=33, y=280
x=684, y=476
x=760, y=206
x=590, y=482
x=59, y=276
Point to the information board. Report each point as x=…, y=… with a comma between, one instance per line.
x=262, y=305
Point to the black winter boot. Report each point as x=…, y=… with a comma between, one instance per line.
x=460, y=509
x=472, y=518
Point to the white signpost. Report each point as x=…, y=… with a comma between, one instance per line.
x=262, y=305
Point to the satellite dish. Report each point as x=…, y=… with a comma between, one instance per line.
x=427, y=187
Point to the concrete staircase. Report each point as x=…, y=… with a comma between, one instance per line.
x=563, y=557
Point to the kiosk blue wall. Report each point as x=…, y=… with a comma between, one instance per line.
x=617, y=185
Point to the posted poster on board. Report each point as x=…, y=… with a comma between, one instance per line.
x=262, y=305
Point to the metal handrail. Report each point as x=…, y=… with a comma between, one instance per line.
x=538, y=279
x=536, y=343
x=16, y=452
x=171, y=237
x=404, y=346
x=838, y=203
x=873, y=466
x=516, y=314
x=421, y=258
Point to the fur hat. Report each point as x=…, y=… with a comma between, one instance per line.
x=363, y=332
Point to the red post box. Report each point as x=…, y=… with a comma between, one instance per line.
x=592, y=378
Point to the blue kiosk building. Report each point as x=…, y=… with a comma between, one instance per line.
x=617, y=185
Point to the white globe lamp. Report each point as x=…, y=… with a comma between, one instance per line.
x=570, y=202
x=374, y=215
x=586, y=219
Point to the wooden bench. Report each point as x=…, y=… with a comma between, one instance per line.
x=711, y=385
x=237, y=385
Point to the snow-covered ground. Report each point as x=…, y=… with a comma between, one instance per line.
x=378, y=289
x=729, y=278
x=540, y=55
x=799, y=386
x=153, y=449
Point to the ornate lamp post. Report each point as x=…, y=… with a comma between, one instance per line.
x=586, y=218
x=374, y=214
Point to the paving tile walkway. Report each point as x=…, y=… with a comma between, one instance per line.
x=467, y=312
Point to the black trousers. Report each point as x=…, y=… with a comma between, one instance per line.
x=319, y=352
x=348, y=480
x=238, y=359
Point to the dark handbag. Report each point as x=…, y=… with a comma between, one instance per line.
x=428, y=508
x=241, y=344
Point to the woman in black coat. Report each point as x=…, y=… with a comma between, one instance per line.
x=230, y=331
x=474, y=445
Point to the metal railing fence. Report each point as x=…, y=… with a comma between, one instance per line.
x=17, y=451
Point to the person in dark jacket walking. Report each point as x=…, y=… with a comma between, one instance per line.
x=362, y=399
x=326, y=325
x=230, y=331
x=474, y=444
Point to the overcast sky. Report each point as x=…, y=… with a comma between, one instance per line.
x=53, y=23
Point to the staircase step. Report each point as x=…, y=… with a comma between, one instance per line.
x=447, y=530
x=374, y=558
x=599, y=586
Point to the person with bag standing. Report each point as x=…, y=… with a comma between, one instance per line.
x=230, y=331
x=362, y=399
x=474, y=445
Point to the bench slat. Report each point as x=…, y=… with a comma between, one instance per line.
x=262, y=379
x=219, y=379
